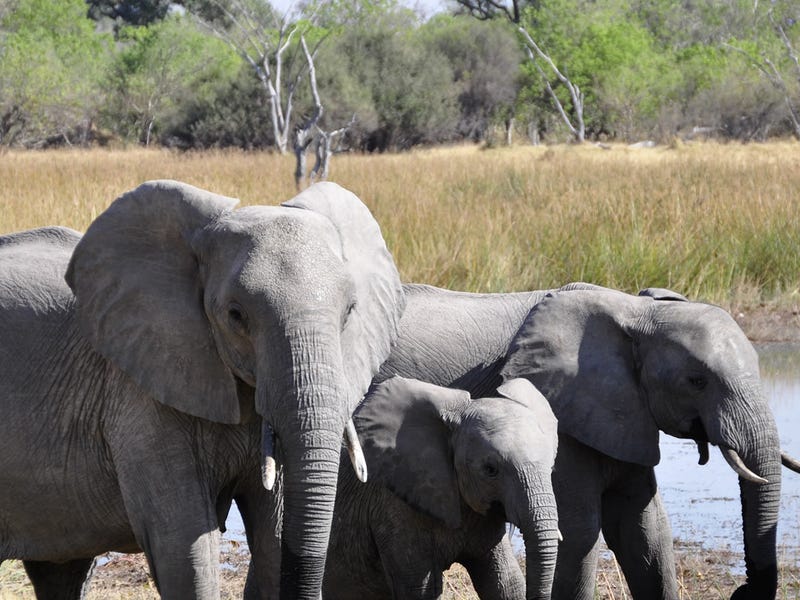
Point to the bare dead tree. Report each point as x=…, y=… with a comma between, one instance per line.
x=303, y=132
x=262, y=37
x=324, y=150
x=489, y=9
x=309, y=131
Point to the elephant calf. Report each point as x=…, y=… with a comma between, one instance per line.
x=446, y=474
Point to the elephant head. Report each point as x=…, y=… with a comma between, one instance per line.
x=618, y=368
x=438, y=450
x=286, y=311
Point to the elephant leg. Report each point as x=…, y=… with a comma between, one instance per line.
x=497, y=575
x=58, y=581
x=578, y=485
x=636, y=528
x=261, y=512
x=174, y=518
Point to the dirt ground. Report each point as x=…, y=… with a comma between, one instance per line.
x=769, y=324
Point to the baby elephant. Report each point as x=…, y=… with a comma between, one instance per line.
x=445, y=474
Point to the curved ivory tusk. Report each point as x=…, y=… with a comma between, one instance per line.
x=790, y=463
x=268, y=466
x=355, y=452
x=560, y=537
x=737, y=465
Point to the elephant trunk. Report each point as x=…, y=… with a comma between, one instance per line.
x=309, y=496
x=756, y=444
x=304, y=401
x=537, y=519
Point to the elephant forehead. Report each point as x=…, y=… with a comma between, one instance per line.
x=277, y=227
x=276, y=250
x=710, y=335
x=511, y=428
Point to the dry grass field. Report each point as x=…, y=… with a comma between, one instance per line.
x=716, y=222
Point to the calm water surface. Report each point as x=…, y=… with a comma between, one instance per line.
x=703, y=501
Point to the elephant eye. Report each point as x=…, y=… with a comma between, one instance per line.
x=348, y=311
x=698, y=382
x=237, y=317
x=490, y=470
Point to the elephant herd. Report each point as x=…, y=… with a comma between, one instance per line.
x=183, y=354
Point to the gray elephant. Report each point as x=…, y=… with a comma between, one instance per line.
x=616, y=369
x=449, y=472
x=193, y=344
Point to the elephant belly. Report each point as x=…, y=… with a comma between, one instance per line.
x=59, y=509
x=57, y=527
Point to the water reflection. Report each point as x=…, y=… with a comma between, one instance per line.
x=703, y=501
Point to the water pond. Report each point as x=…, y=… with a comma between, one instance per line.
x=703, y=501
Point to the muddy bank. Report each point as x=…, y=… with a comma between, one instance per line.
x=763, y=324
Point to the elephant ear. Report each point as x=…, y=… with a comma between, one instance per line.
x=577, y=348
x=405, y=426
x=663, y=294
x=379, y=302
x=139, y=297
x=523, y=392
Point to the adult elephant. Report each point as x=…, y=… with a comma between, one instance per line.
x=616, y=368
x=450, y=471
x=135, y=403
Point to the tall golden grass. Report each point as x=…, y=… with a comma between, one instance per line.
x=717, y=222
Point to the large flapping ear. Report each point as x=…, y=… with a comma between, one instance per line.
x=378, y=302
x=139, y=297
x=405, y=426
x=577, y=349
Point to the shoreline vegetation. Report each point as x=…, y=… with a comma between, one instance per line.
x=716, y=222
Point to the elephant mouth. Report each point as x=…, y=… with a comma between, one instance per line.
x=698, y=433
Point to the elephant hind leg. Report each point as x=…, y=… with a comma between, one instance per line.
x=58, y=581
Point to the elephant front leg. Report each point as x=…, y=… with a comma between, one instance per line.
x=637, y=529
x=496, y=575
x=58, y=581
x=261, y=512
x=174, y=521
x=578, y=485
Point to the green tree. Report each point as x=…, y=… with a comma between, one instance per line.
x=52, y=67
x=161, y=72
x=485, y=58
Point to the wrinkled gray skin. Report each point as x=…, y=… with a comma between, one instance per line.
x=448, y=473
x=616, y=368
x=132, y=401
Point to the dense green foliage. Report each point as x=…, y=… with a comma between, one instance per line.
x=180, y=74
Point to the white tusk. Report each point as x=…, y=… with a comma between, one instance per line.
x=560, y=537
x=268, y=466
x=355, y=451
x=790, y=463
x=737, y=465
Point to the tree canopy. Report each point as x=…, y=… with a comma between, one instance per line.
x=190, y=74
